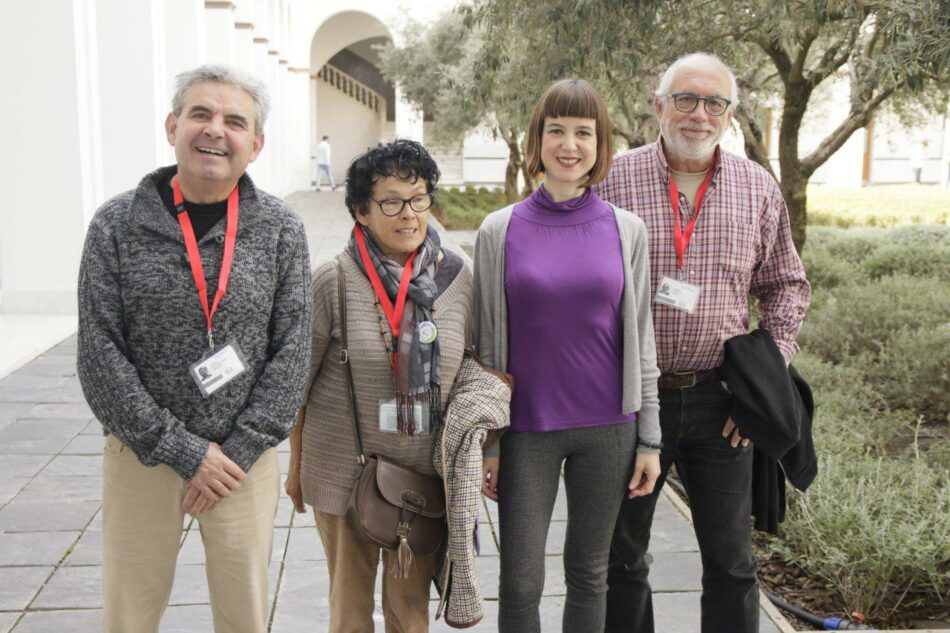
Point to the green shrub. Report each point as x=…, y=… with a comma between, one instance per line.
x=465, y=210
x=920, y=259
x=921, y=234
x=861, y=318
x=851, y=415
x=876, y=522
x=875, y=528
x=912, y=371
x=851, y=246
x=825, y=270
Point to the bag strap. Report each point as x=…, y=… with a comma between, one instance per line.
x=345, y=361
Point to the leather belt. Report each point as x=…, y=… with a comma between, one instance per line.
x=685, y=380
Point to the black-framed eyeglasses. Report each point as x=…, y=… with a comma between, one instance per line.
x=392, y=207
x=687, y=102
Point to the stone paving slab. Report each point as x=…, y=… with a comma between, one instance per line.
x=7, y=620
x=50, y=523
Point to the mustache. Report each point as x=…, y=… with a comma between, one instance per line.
x=702, y=127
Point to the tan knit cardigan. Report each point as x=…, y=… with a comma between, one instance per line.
x=328, y=467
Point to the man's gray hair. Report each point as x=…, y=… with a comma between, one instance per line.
x=220, y=73
x=666, y=80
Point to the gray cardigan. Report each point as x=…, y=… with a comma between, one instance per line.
x=141, y=327
x=640, y=370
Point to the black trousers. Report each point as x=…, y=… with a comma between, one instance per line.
x=718, y=480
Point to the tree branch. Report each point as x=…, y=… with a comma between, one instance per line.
x=752, y=135
x=857, y=119
x=798, y=66
x=832, y=60
x=779, y=57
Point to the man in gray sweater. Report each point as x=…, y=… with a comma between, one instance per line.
x=194, y=339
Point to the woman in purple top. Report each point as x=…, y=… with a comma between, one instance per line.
x=563, y=304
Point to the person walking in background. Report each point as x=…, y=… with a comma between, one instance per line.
x=405, y=345
x=323, y=163
x=563, y=304
x=194, y=321
x=719, y=232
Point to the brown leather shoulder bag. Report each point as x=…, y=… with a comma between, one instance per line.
x=392, y=506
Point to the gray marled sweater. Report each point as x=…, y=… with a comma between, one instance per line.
x=141, y=327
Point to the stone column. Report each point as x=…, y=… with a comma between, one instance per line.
x=134, y=97
x=54, y=183
x=219, y=31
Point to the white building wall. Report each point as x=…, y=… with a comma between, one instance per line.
x=450, y=159
x=485, y=160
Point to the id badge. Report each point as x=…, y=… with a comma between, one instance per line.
x=217, y=367
x=678, y=295
x=388, y=421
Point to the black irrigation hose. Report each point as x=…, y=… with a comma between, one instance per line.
x=825, y=624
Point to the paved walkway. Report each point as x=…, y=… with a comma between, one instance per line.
x=50, y=491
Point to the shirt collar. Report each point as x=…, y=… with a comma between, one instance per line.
x=148, y=212
x=665, y=170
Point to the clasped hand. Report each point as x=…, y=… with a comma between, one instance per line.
x=217, y=479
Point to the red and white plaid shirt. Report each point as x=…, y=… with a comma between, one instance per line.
x=741, y=246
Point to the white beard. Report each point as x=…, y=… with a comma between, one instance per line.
x=689, y=149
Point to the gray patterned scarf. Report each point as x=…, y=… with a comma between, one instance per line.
x=416, y=363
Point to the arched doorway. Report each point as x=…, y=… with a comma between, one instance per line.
x=351, y=102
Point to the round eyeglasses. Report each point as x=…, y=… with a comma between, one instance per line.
x=687, y=102
x=392, y=207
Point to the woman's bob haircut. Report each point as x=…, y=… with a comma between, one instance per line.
x=574, y=98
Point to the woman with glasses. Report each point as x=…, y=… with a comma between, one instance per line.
x=563, y=304
x=408, y=305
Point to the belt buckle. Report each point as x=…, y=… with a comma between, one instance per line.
x=692, y=375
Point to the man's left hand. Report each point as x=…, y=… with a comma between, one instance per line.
x=731, y=428
x=197, y=502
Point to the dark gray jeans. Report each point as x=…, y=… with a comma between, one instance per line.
x=598, y=464
x=718, y=480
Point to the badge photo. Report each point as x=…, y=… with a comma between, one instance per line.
x=217, y=367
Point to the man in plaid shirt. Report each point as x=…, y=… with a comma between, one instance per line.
x=719, y=232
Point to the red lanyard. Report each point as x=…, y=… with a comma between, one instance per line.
x=393, y=314
x=680, y=238
x=194, y=256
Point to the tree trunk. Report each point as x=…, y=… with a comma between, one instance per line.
x=754, y=139
x=515, y=164
x=794, y=176
x=511, y=181
x=794, y=187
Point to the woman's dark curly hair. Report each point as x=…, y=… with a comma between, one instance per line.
x=404, y=159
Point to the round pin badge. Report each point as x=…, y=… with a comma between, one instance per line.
x=427, y=332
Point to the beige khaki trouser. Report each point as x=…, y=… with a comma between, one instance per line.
x=142, y=520
x=353, y=564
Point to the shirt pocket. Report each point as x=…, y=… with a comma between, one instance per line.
x=740, y=250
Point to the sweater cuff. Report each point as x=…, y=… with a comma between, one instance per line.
x=244, y=447
x=182, y=451
x=648, y=426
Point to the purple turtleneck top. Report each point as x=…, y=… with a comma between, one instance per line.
x=564, y=287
